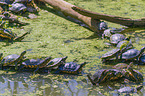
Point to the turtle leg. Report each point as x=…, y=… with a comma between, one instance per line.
x=36, y=69
x=91, y=79
x=16, y=65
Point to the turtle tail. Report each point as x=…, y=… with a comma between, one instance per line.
x=88, y=75
x=19, y=38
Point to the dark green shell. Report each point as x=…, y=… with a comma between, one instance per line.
x=142, y=59
x=107, y=33
x=116, y=38
x=132, y=53
x=71, y=68
x=125, y=42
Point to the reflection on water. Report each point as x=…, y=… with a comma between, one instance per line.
x=22, y=84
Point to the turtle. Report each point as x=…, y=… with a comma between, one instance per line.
x=5, y=2
x=130, y=89
x=106, y=34
x=142, y=59
x=132, y=53
x=111, y=54
x=116, y=38
x=32, y=63
x=116, y=30
x=18, y=8
x=102, y=26
x=54, y=63
x=8, y=34
x=13, y=59
x=104, y=75
x=70, y=68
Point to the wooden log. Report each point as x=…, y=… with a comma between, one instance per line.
x=132, y=23
x=66, y=9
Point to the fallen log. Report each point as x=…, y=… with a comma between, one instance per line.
x=66, y=9
x=132, y=23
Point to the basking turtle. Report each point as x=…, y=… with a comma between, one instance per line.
x=70, y=68
x=132, y=54
x=18, y=8
x=116, y=38
x=103, y=75
x=8, y=34
x=111, y=54
x=54, y=63
x=32, y=63
x=130, y=89
x=106, y=34
x=13, y=59
x=102, y=25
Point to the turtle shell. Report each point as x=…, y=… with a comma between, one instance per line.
x=102, y=25
x=125, y=42
x=5, y=2
x=70, y=68
x=18, y=7
x=10, y=59
x=130, y=54
x=110, y=54
x=54, y=63
x=116, y=38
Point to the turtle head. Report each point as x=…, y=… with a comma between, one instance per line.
x=128, y=38
x=23, y=53
x=1, y=54
x=142, y=50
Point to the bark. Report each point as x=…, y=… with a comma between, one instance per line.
x=66, y=9
x=132, y=23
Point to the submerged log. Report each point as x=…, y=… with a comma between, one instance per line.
x=66, y=9
x=132, y=23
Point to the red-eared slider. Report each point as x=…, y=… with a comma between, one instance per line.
x=32, y=63
x=132, y=54
x=111, y=54
x=116, y=38
x=54, y=63
x=104, y=75
x=18, y=8
x=8, y=34
x=123, y=65
x=13, y=59
x=102, y=26
x=130, y=89
x=70, y=68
